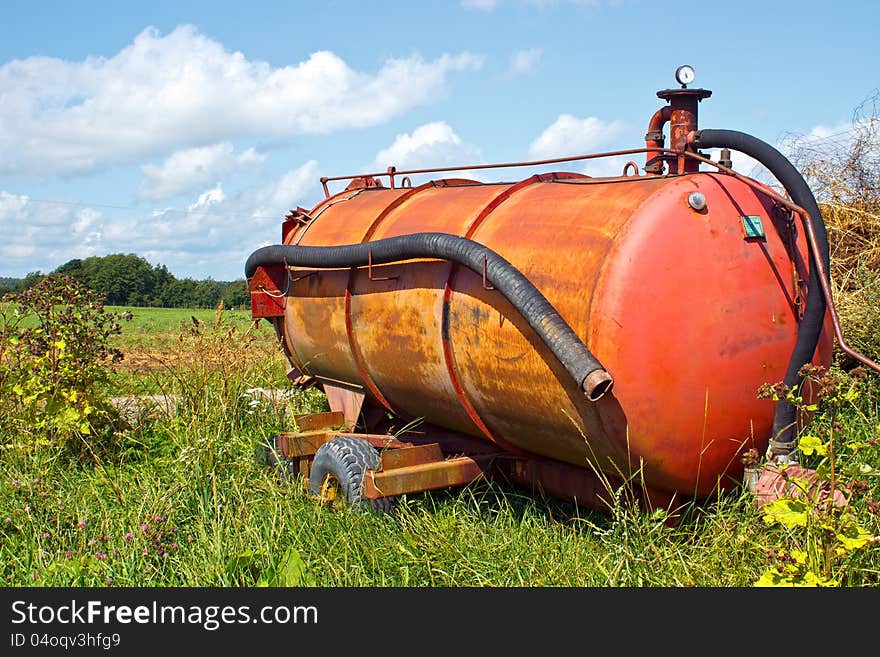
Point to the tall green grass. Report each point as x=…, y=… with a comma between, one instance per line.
x=169, y=520
x=183, y=502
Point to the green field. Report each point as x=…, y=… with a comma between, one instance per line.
x=152, y=339
x=160, y=328
x=181, y=500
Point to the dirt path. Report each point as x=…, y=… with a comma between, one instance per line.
x=135, y=407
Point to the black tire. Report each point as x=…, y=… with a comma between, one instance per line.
x=338, y=473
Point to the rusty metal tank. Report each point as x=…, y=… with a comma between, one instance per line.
x=688, y=288
x=691, y=303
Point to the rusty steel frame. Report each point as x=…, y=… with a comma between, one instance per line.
x=302, y=444
x=404, y=467
x=432, y=475
x=439, y=459
x=410, y=456
x=585, y=486
x=312, y=421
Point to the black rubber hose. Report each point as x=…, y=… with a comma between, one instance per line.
x=784, y=439
x=583, y=366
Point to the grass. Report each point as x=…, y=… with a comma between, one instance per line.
x=161, y=519
x=154, y=341
x=157, y=329
x=182, y=501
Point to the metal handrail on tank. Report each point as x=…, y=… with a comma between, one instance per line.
x=391, y=172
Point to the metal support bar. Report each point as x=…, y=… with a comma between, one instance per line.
x=486, y=284
x=312, y=421
x=303, y=444
x=370, y=270
x=582, y=485
x=409, y=456
x=417, y=478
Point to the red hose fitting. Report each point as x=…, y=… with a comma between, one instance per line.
x=654, y=139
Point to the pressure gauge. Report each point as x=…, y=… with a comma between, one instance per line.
x=685, y=75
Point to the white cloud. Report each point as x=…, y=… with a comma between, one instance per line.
x=41, y=236
x=288, y=191
x=430, y=145
x=826, y=152
x=213, y=196
x=569, y=135
x=217, y=233
x=191, y=168
x=213, y=235
x=742, y=163
x=609, y=167
x=825, y=133
x=185, y=90
x=525, y=61
x=816, y=143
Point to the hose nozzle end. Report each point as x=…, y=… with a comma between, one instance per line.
x=597, y=383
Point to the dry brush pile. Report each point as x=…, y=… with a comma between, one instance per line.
x=844, y=172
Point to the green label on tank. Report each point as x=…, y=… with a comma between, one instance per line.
x=753, y=226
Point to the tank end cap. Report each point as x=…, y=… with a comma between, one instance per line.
x=597, y=383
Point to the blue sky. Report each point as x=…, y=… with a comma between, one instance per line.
x=184, y=131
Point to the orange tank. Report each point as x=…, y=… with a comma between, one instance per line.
x=690, y=309
x=688, y=288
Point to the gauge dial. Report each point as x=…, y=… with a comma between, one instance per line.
x=685, y=75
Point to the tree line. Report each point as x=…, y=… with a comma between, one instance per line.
x=126, y=279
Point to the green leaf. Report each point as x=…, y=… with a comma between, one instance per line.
x=810, y=444
x=799, y=556
x=292, y=571
x=70, y=568
x=773, y=577
x=853, y=537
x=243, y=561
x=789, y=513
x=812, y=579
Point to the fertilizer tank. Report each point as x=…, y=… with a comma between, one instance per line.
x=687, y=286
